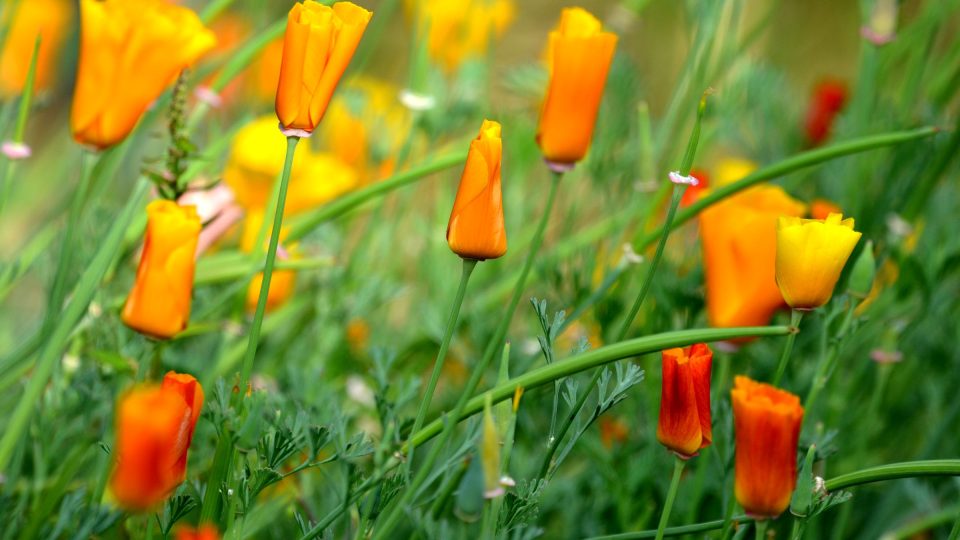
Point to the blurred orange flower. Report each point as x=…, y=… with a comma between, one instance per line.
x=282, y=282
x=767, y=422
x=821, y=208
x=154, y=430
x=203, y=532
x=318, y=45
x=684, y=425
x=475, y=229
x=739, y=238
x=692, y=193
x=159, y=302
x=129, y=52
x=47, y=18
x=457, y=31
x=612, y=430
x=579, y=57
x=256, y=159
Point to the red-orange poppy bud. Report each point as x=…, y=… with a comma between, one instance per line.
x=318, y=45
x=684, y=425
x=159, y=303
x=767, y=422
x=475, y=229
x=579, y=57
x=154, y=430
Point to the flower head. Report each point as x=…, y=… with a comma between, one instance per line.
x=319, y=43
x=739, y=252
x=155, y=426
x=457, y=31
x=476, y=229
x=684, y=425
x=811, y=253
x=767, y=422
x=159, y=302
x=579, y=57
x=129, y=52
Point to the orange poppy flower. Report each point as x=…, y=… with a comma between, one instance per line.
x=579, y=57
x=49, y=19
x=767, y=422
x=155, y=426
x=476, y=230
x=159, y=302
x=129, y=52
x=318, y=45
x=684, y=425
x=739, y=238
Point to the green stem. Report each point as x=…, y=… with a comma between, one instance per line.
x=678, y=465
x=254, y=340
x=824, y=363
x=955, y=532
x=695, y=528
x=761, y=528
x=795, y=317
x=54, y=343
x=549, y=373
x=22, y=114
x=468, y=266
x=393, y=517
x=222, y=461
x=796, y=530
x=893, y=471
x=308, y=221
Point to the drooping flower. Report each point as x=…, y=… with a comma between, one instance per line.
x=828, y=100
x=49, y=20
x=129, y=52
x=767, y=423
x=811, y=253
x=159, y=302
x=579, y=57
x=475, y=229
x=319, y=43
x=739, y=238
x=684, y=426
x=154, y=426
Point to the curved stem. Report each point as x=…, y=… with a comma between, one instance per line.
x=547, y=374
x=795, y=317
x=893, y=471
x=468, y=266
x=255, y=326
x=391, y=519
x=678, y=465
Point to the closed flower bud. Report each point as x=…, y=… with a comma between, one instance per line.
x=159, y=303
x=318, y=45
x=811, y=254
x=154, y=426
x=129, y=52
x=767, y=422
x=684, y=425
x=475, y=229
x=739, y=253
x=490, y=453
x=579, y=57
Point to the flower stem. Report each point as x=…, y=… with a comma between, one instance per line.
x=247, y=367
x=795, y=317
x=824, y=364
x=391, y=519
x=761, y=528
x=468, y=266
x=678, y=465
